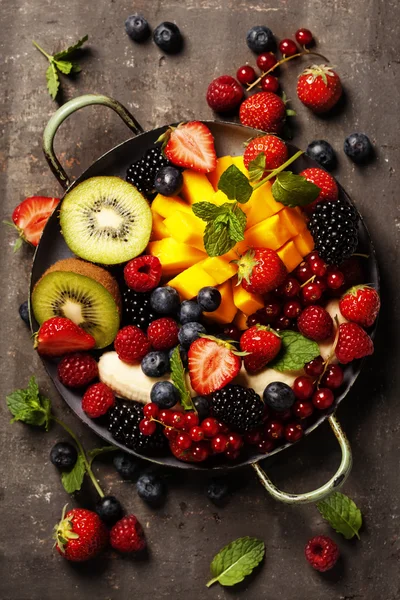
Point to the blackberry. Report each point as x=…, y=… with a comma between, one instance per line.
x=333, y=226
x=142, y=173
x=123, y=424
x=137, y=309
x=238, y=407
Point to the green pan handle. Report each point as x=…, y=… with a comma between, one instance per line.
x=68, y=109
x=325, y=490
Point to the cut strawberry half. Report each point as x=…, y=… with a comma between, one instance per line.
x=212, y=365
x=190, y=145
x=30, y=217
x=58, y=336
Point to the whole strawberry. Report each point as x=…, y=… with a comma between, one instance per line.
x=273, y=148
x=319, y=88
x=224, y=94
x=163, y=333
x=261, y=270
x=80, y=535
x=59, y=335
x=322, y=553
x=97, y=400
x=131, y=344
x=326, y=183
x=360, y=304
x=262, y=343
x=353, y=342
x=127, y=535
x=143, y=274
x=315, y=323
x=77, y=370
x=264, y=110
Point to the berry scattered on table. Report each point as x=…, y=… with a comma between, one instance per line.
x=264, y=110
x=109, y=510
x=322, y=553
x=163, y=333
x=260, y=39
x=246, y=75
x=143, y=274
x=189, y=312
x=127, y=535
x=142, y=173
x=137, y=28
x=164, y=394
x=80, y=535
x=261, y=270
x=189, y=332
x=137, y=309
x=353, y=342
x=328, y=187
x=273, y=148
x=167, y=36
x=97, y=400
x=358, y=147
x=30, y=218
x=151, y=488
x=262, y=345
x=77, y=370
x=238, y=407
x=319, y=88
x=131, y=344
x=279, y=396
x=270, y=83
x=315, y=323
x=168, y=181
x=322, y=152
x=217, y=491
x=288, y=47
x=212, y=365
x=209, y=298
x=360, y=304
x=304, y=37
x=224, y=94
x=125, y=465
x=266, y=61
x=165, y=300
x=24, y=312
x=155, y=364
x=58, y=336
x=123, y=424
x=63, y=455
x=191, y=145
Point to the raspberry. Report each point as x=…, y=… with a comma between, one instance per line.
x=97, y=399
x=131, y=344
x=315, y=323
x=77, y=370
x=163, y=333
x=322, y=553
x=353, y=342
x=143, y=274
x=127, y=535
x=361, y=305
x=224, y=94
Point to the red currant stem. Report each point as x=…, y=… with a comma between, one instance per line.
x=279, y=169
x=83, y=454
x=331, y=354
x=361, y=255
x=104, y=450
x=280, y=62
x=308, y=281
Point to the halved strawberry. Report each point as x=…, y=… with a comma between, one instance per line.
x=190, y=145
x=30, y=217
x=213, y=364
x=58, y=336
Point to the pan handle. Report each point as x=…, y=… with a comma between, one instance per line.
x=325, y=490
x=64, y=112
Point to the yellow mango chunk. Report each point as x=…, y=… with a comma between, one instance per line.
x=174, y=256
x=293, y=220
x=159, y=231
x=196, y=187
x=241, y=320
x=219, y=268
x=190, y=281
x=290, y=256
x=219, y=198
x=222, y=164
x=227, y=310
x=270, y=233
x=261, y=205
x=238, y=162
x=167, y=205
x=245, y=301
x=186, y=228
x=304, y=242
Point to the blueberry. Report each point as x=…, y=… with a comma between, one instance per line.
x=63, y=455
x=151, y=489
x=164, y=394
x=137, y=28
x=109, y=510
x=189, y=332
x=168, y=37
x=168, y=181
x=155, y=364
x=323, y=153
x=189, y=312
x=125, y=465
x=202, y=405
x=165, y=300
x=217, y=491
x=260, y=39
x=209, y=298
x=279, y=396
x=358, y=147
x=24, y=312
x=182, y=352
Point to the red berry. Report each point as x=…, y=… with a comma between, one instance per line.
x=191, y=419
x=333, y=377
x=77, y=370
x=322, y=553
x=270, y=83
x=232, y=332
x=165, y=416
x=131, y=344
x=303, y=272
x=147, y=426
x=361, y=305
x=273, y=148
x=304, y=37
x=290, y=288
x=292, y=309
x=212, y=365
x=163, y=333
x=293, y=432
x=127, y=535
x=246, y=75
x=288, y=47
x=274, y=430
x=327, y=184
x=266, y=446
x=183, y=441
x=266, y=61
x=235, y=441
x=151, y=410
x=303, y=388
x=97, y=400
x=262, y=343
x=323, y=398
x=315, y=323
x=59, y=336
x=283, y=323
x=264, y=110
x=318, y=267
x=253, y=437
x=197, y=434
x=222, y=428
x=253, y=319
x=232, y=454
x=89, y=535
x=321, y=283
x=311, y=293
x=170, y=433
x=224, y=94
x=177, y=420
x=335, y=279
x=281, y=415
x=315, y=367
x=210, y=427
x=219, y=443
x=302, y=409
x=353, y=342
x=143, y=274
x=319, y=88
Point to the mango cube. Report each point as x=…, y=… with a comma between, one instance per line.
x=290, y=256
x=167, y=205
x=304, y=242
x=293, y=219
x=174, y=256
x=222, y=164
x=186, y=228
x=189, y=282
x=227, y=310
x=241, y=320
x=245, y=301
x=196, y=187
x=159, y=231
x=261, y=205
x=219, y=198
x=238, y=162
x=269, y=233
x=219, y=269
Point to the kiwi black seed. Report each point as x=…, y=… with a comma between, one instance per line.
x=105, y=220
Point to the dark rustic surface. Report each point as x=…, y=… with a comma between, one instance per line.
x=361, y=38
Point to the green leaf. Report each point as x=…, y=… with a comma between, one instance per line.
x=294, y=190
x=75, y=68
x=235, y=185
x=92, y=454
x=237, y=560
x=206, y=210
x=295, y=352
x=217, y=240
x=290, y=112
x=28, y=406
x=257, y=167
x=342, y=514
x=53, y=82
x=66, y=53
x=63, y=66
x=72, y=480
x=179, y=380
x=235, y=227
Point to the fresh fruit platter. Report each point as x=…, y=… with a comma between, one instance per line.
x=203, y=293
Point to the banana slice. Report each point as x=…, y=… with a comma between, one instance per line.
x=325, y=347
x=259, y=381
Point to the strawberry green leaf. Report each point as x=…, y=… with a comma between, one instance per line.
x=257, y=167
x=342, y=514
x=235, y=185
x=294, y=190
x=53, y=82
x=236, y=560
x=72, y=480
x=179, y=380
x=296, y=350
x=71, y=49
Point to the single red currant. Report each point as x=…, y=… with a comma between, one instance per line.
x=232, y=332
x=281, y=415
x=191, y=419
x=302, y=409
x=201, y=451
x=293, y=432
x=222, y=428
x=288, y=47
x=266, y=61
x=147, y=427
x=304, y=37
x=312, y=256
x=311, y=293
x=290, y=288
x=197, y=434
x=292, y=309
x=219, y=443
x=270, y=83
x=178, y=420
x=271, y=312
x=283, y=323
x=253, y=437
x=274, y=430
x=170, y=433
x=303, y=388
x=335, y=279
x=318, y=267
x=246, y=75
x=315, y=367
x=232, y=454
x=323, y=398
x=165, y=416
x=333, y=377
x=303, y=272
x=321, y=282
x=183, y=441
x=265, y=446
x=253, y=319
x=210, y=427
x=235, y=441
x=151, y=410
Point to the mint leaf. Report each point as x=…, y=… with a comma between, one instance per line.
x=217, y=240
x=294, y=190
x=257, y=167
x=63, y=66
x=72, y=480
x=236, y=560
x=206, y=210
x=71, y=49
x=53, y=82
x=235, y=227
x=235, y=185
x=28, y=406
x=295, y=352
x=342, y=514
x=179, y=380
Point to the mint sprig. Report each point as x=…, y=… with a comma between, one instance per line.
x=235, y=185
x=236, y=560
x=296, y=351
x=179, y=380
x=225, y=226
x=294, y=190
x=342, y=514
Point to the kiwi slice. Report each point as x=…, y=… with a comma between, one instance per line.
x=105, y=220
x=79, y=298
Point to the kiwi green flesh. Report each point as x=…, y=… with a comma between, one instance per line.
x=79, y=298
x=105, y=220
